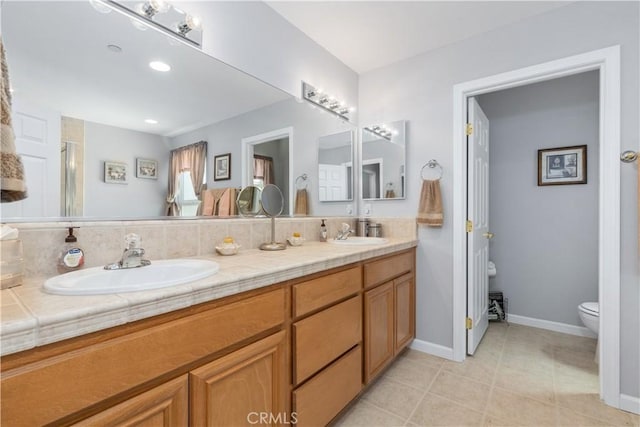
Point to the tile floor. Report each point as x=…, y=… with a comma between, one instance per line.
x=519, y=376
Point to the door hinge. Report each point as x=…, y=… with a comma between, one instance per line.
x=469, y=129
x=469, y=323
x=469, y=226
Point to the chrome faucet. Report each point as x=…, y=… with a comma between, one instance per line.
x=131, y=256
x=344, y=232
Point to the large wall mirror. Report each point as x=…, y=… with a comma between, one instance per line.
x=383, y=161
x=92, y=118
x=335, y=167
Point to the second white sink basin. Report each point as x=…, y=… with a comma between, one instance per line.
x=160, y=274
x=359, y=241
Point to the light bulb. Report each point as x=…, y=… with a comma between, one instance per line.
x=190, y=23
x=160, y=66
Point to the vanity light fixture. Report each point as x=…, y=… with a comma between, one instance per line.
x=161, y=15
x=318, y=97
x=382, y=131
x=160, y=66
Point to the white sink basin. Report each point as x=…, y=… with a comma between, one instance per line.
x=359, y=241
x=160, y=274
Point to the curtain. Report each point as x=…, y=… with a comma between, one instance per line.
x=263, y=169
x=192, y=158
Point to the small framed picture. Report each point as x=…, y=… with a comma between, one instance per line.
x=146, y=168
x=222, y=167
x=115, y=172
x=562, y=166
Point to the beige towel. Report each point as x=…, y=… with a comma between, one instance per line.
x=207, y=203
x=302, y=203
x=430, y=205
x=12, y=182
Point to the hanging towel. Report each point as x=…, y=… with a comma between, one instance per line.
x=302, y=203
x=12, y=183
x=226, y=202
x=430, y=205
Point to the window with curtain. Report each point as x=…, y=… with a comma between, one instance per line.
x=187, y=179
x=262, y=170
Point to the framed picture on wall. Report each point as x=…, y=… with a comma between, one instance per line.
x=146, y=168
x=115, y=172
x=562, y=166
x=222, y=167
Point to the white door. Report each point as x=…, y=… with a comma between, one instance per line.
x=38, y=138
x=332, y=182
x=478, y=238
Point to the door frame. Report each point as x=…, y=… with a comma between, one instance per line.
x=607, y=62
x=247, y=158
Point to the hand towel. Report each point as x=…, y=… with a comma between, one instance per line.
x=207, y=203
x=302, y=203
x=430, y=205
x=12, y=185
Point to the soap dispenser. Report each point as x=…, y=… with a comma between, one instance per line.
x=71, y=257
x=323, y=231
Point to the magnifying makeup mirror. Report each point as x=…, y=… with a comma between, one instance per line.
x=272, y=205
x=248, y=201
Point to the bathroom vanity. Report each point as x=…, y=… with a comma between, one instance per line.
x=296, y=351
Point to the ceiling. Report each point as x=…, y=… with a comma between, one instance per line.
x=366, y=35
x=59, y=60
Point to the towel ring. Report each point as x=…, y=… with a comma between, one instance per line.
x=302, y=179
x=432, y=164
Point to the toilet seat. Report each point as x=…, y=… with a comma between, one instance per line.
x=591, y=308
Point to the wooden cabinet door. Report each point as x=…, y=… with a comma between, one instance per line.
x=405, y=311
x=378, y=329
x=163, y=406
x=245, y=387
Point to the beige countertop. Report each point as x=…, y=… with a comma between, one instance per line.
x=31, y=318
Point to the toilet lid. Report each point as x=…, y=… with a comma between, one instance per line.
x=592, y=307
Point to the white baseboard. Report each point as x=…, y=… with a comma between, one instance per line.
x=433, y=349
x=565, y=328
x=630, y=403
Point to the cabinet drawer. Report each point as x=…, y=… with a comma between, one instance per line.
x=323, y=291
x=321, y=338
x=380, y=271
x=324, y=396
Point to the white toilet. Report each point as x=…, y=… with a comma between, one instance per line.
x=590, y=315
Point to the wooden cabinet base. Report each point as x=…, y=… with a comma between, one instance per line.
x=241, y=387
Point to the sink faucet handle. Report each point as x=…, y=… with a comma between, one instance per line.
x=345, y=227
x=132, y=241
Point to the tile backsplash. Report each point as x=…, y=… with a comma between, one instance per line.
x=103, y=241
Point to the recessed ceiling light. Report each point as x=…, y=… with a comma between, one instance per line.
x=114, y=48
x=160, y=66
x=151, y=121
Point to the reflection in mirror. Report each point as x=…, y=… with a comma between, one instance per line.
x=383, y=160
x=86, y=76
x=335, y=167
x=249, y=201
x=272, y=204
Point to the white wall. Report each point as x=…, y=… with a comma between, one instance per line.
x=420, y=90
x=252, y=37
x=546, y=240
x=140, y=197
x=308, y=125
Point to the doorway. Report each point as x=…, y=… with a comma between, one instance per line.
x=273, y=148
x=607, y=62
